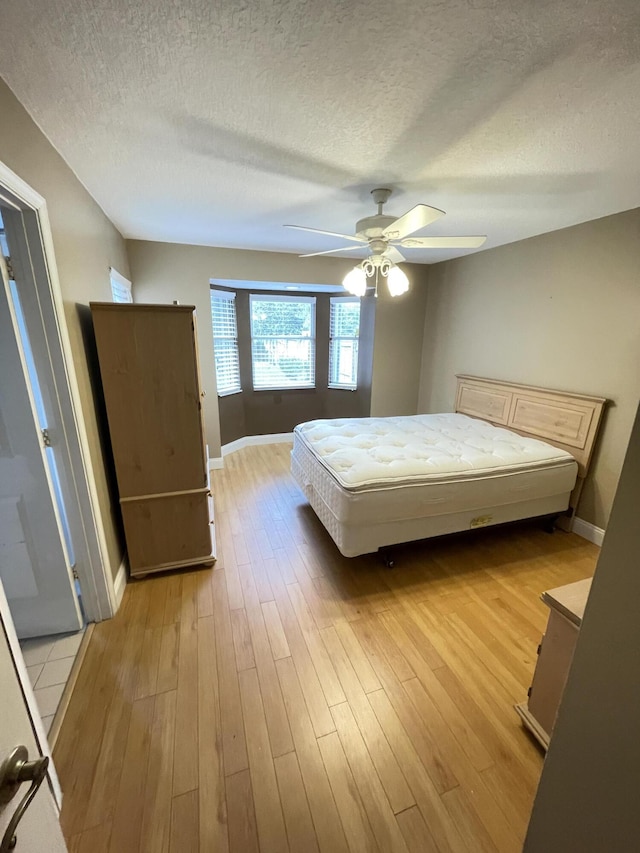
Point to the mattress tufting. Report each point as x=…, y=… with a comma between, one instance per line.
x=364, y=453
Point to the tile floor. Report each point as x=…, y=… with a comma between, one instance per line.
x=49, y=661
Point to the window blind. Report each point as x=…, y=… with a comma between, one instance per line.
x=344, y=332
x=120, y=287
x=225, y=342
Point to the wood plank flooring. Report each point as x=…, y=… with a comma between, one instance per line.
x=291, y=699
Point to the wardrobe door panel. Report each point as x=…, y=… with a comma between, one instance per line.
x=149, y=375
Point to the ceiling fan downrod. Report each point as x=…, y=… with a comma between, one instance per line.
x=381, y=197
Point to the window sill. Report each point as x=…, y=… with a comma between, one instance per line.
x=342, y=387
x=229, y=393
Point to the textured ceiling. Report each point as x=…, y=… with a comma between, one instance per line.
x=216, y=122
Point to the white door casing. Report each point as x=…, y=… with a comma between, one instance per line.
x=99, y=594
x=20, y=724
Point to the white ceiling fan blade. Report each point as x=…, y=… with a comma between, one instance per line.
x=327, y=233
x=331, y=251
x=413, y=220
x=394, y=255
x=442, y=242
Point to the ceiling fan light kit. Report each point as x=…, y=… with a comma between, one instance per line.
x=355, y=281
x=382, y=234
x=397, y=281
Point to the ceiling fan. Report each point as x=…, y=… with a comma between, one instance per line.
x=383, y=234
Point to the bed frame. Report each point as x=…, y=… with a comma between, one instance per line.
x=566, y=420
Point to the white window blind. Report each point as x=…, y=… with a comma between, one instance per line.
x=120, y=287
x=283, y=341
x=225, y=342
x=344, y=331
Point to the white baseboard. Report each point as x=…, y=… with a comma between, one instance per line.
x=120, y=582
x=248, y=440
x=588, y=531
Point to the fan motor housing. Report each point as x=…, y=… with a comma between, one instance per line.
x=372, y=226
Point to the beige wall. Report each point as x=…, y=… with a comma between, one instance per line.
x=86, y=245
x=560, y=310
x=398, y=340
x=587, y=800
x=163, y=272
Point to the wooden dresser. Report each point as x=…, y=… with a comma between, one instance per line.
x=149, y=368
x=555, y=653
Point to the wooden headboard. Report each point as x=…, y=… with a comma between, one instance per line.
x=566, y=420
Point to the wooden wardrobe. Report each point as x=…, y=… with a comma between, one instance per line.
x=150, y=378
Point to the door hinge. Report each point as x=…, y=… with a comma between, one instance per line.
x=75, y=574
x=46, y=438
x=10, y=272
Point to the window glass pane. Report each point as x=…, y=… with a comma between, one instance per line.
x=281, y=318
x=225, y=342
x=345, y=319
x=343, y=363
x=282, y=363
x=227, y=367
x=283, y=342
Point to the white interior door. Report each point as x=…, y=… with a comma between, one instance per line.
x=39, y=828
x=34, y=561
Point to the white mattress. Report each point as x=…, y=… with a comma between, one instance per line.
x=374, y=452
x=377, y=471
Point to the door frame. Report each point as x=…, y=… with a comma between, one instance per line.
x=100, y=597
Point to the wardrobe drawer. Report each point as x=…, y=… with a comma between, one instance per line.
x=171, y=529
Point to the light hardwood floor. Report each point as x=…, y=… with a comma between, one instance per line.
x=291, y=699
